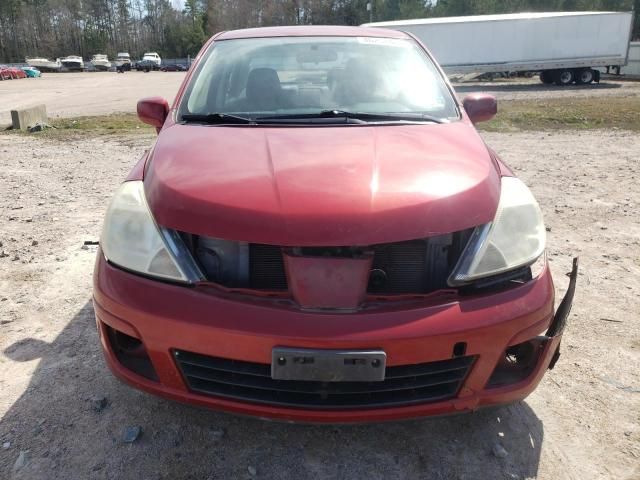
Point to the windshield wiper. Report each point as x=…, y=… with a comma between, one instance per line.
x=347, y=117
x=217, y=118
x=368, y=117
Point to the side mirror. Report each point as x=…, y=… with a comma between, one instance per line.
x=480, y=107
x=153, y=111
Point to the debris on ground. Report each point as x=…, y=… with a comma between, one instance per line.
x=610, y=320
x=39, y=127
x=252, y=471
x=6, y=445
x=21, y=461
x=499, y=451
x=98, y=403
x=218, y=433
x=131, y=434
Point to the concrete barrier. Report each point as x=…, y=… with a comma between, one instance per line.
x=27, y=117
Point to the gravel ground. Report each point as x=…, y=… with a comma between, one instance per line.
x=62, y=415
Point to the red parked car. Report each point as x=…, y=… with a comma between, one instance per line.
x=320, y=234
x=17, y=73
x=6, y=73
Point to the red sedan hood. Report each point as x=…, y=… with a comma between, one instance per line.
x=316, y=186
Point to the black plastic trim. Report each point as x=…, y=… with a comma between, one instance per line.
x=252, y=382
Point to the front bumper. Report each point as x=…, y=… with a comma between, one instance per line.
x=167, y=318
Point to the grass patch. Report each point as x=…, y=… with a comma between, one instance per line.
x=577, y=113
x=574, y=113
x=116, y=124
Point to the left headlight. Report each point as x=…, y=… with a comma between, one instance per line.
x=516, y=238
x=132, y=240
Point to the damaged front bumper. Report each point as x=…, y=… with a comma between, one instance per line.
x=147, y=336
x=562, y=313
x=523, y=361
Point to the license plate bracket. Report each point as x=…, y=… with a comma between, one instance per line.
x=328, y=365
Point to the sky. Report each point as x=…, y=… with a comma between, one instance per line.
x=178, y=4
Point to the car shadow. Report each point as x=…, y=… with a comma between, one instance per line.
x=71, y=419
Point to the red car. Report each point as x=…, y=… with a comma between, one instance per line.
x=319, y=234
x=17, y=73
x=6, y=73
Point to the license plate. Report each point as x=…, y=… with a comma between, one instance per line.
x=328, y=365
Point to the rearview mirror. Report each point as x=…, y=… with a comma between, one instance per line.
x=153, y=111
x=480, y=107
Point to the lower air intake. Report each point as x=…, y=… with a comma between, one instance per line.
x=252, y=382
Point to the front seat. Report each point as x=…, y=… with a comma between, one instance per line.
x=263, y=90
x=358, y=83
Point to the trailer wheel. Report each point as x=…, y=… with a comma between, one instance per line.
x=585, y=76
x=564, y=77
x=546, y=77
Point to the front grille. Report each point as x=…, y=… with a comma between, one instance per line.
x=266, y=267
x=252, y=382
x=403, y=268
x=410, y=267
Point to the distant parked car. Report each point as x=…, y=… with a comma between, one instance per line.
x=145, y=65
x=5, y=73
x=31, y=72
x=173, y=67
x=16, y=73
x=123, y=62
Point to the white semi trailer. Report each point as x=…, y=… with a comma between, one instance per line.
x=563, y=47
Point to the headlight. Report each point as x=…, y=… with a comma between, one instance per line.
x=516, y=237
x=132, y=240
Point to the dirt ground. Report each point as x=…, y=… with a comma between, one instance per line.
x=583, y=422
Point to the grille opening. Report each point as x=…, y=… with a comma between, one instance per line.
x=252, y=382
x=131, y=353
x=410, y=267
x=517, y=363
x=266, y=267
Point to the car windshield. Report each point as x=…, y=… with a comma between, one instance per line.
x=298, y=77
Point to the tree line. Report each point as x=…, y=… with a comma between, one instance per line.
x=56, y=28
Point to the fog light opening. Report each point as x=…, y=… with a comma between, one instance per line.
x=517, y=363
x=131, y=353
x=459, y=349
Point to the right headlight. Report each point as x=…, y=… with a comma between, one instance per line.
x=516, y=238
x=132, y=240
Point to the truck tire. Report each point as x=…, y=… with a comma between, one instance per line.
x=564, y=77
x=546, y=77
x=585, y=76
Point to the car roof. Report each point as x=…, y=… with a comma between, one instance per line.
x=311, y=31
